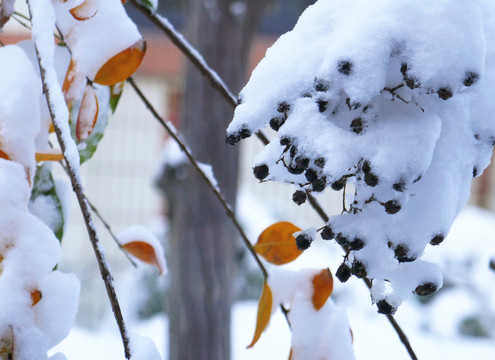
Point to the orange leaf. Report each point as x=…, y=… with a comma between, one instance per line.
x=88, y=114
x=277, y=245
x=49, y=155
x=85, y=11
x=36, y=297
x=322, y=288
x=144, y=252
x=122, y=65
x=69, y=80
x=264, y=313
x=3, y=155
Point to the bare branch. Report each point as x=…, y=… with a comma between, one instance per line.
x=189, y=51
x=53, y=95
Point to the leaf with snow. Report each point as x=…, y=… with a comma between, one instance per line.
x=264, y=313
x=151, y=5
x=45, y=203
x=277, y=244
x=115, y=94
x=143, y=245
x=88, y=114
x=85, y=11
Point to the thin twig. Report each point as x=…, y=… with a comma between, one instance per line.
x=52, y=95
x=220, y=86
x=228, y=208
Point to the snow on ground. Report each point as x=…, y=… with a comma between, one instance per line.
x=431, y=329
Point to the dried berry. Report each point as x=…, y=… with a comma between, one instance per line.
x=245, y=133
x=327, y=233
x=261, y=171
x=284, y=141
x=392, y=207
x=402, y=254
x=339, y=184
x=283, y=107
x=342, y=240
x=475, y=171
x=343, y=273
x=320, y=162
x=445, y=93
x=437, y=239
x=470, y=78
x=293, y=151
x=358, y=269
x=321, y=85
x=352, y=105
x=399, y=186
x=303, y=241
x=403, y=69
x=277, y=122
x=412, y=82
x=357, y=125
x=322, y=105
x=425, y=289
x=299, y=197
x=345, y=67
x=357, y=244
x=302, y=162
x=385, y=308
x=370, y=179
x=366, y=167
x=233, y=139
x=311, y=175
x=319, y=185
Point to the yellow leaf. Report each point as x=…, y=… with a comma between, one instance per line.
x=88, y=114
x=277, y=245
x=85, y=11
x=322, y=288
x=264, y=313
x=49, y=155
x=144, y=252
x=122, y=65
x=36, y=297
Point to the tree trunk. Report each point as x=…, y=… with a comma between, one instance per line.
x=201, y=248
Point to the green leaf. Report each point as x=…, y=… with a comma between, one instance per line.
x=45, y=202
x=115, y=94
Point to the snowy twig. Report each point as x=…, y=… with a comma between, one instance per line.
x=192, y=54
x=220, y=86
x=43, y=41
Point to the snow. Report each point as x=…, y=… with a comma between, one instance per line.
x=207, y=171
x=390, y=103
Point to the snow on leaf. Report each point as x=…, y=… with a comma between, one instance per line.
x=322, y=288
x=84, y=11
x=88, y=114
x=264, y=313
x=277, y=245
x=122, y=65
x=69, y=80
x=142, y=244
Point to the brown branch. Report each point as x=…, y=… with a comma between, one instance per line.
x=220, y=86
x=52, y=95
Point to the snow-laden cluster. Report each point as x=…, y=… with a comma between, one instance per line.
x=392, y=98
x=37, y=304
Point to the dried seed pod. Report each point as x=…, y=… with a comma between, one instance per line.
x=445, y=93
x=357, y=244
x=319, y=185
x=470, y=78
x=277, y=122
x=385, y=308
x=299, y=197
x=392, y=207
x=345, y=67
x=357, y=125
x=303, y=241
x=338, y=185
x=283, y=107
x=358, y=269
x=437, y=239
x=343, y=273
x=425, y=289
x=327, y=233
x=321, y=85
x=322, y=105
x=261, y=171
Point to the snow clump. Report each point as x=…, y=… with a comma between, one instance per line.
x=391, y=98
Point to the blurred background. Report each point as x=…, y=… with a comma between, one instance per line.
x=121, y=181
